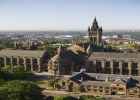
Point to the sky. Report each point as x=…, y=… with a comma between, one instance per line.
x=69, y=14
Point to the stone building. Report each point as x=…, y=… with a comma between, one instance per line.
x=100, y=84
x=114, y=63
x=31, y=60
x=27, y=46
x=94, y=57
x=94, y=34
x=64, y=62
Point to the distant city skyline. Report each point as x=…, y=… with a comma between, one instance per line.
x=69, y=14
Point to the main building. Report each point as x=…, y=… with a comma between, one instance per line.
x=93, y=56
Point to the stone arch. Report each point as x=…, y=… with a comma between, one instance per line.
x=95, y=39
x=91, y=38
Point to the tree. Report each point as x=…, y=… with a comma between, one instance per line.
x=6, y=68
x=65, y=98
x=49, y=98
x=87, y=97
x=21, y=90
x=16, y=72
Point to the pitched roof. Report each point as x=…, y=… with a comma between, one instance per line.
x=97, y=83
x=22, y=53
x=115, y=56
x=119, y=81
x=64, y=55
x=80, y=75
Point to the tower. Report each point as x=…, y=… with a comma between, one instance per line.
x=95, y=33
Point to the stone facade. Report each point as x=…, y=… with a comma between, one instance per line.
x=31, y=60
x=114, y=63
x=95, y=33
x=103, y=85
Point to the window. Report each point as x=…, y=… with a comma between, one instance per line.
x=125, y=64
x=135, y=65
x=106, y=87
x=8, y=59
x=116, y=64
x=101, y=90
x=55, y=62
x=63, y=83
x=35, y=60
x=88, y=88
x=135, y=91
x=114, y=88
x=90, y=63
x=2, y=59
x=108, y=64
x=71, y=83
x=120, y=88
x=95, y=90
x=107, y=91
x=101, y=87
x=99, y=63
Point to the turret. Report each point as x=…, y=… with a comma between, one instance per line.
x=88, y=29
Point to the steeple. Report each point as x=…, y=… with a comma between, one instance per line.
x=95, y=24
x=88, y=28
x=60, y=48
x=95, y=33
x=95, y=19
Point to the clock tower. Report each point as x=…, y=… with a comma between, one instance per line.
x=94, y=33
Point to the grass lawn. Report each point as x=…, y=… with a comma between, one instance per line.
x=44, y=84
x=126, y=46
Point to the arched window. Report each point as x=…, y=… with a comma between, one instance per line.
x=91, y=39
x=95, y=39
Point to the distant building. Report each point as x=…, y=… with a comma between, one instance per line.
x=127, y=36
x=118, y=36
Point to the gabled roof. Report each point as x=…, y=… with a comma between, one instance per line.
x=64, y=55
x=119, y=81
x=80, y=75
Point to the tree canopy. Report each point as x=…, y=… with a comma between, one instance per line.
x=21, y=90
x=15, y=72
x=6, y=44
x=65, y=98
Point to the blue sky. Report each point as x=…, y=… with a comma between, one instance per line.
x=69, y=14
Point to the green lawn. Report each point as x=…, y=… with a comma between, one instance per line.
x=45, y=84
x=126, y=46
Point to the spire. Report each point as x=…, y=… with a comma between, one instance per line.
x=95, y=24
x=60, y=48
x=95, y=19
x=89, y=28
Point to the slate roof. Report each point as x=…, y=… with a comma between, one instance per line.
x=64, y=55
x=86, y=45
x=102, y=77
x=89, y=79
x=114, y=56
x=96, y=83
x=22, y=53
x=77, y=77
